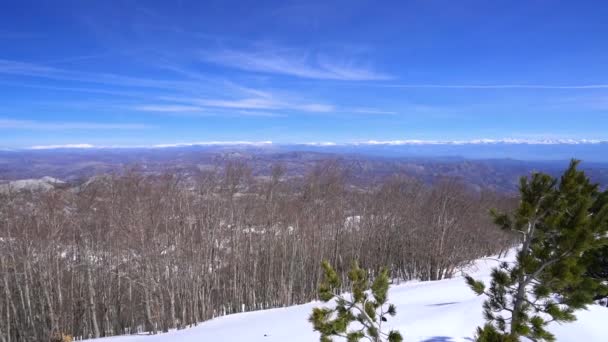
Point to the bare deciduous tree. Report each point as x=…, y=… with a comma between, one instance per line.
x=130, y=253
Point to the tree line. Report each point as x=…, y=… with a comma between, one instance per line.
x=129, y=252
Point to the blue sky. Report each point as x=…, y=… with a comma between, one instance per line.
x=163, y=72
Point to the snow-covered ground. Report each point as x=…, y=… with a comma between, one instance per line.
x=43, y=184
x=440, y=311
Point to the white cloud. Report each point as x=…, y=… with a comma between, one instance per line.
x=42, y=125
x=215, y=143
x=259, y=113
x=372, y=111
x=29, y=69
x=268, y=102
x=499, y=86
x=249, y=103
x=189, y=144
x=331, y=143
x=481, y=141
x=315, y=107
x=36, y=70
x=168, y=108
x=321, y=143
x=294, y=63
x=54, y=147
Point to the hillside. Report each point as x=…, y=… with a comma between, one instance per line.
x=363, y=166
x=439, y=311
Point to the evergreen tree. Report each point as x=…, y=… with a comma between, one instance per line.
x=597, y=268
x=366, y=313
x=559, y=221
x=597, y=259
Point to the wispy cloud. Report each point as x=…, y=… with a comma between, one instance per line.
x=267, y=102
x=187, y=144
x=422, y=142
x=66, y=146
x=294, y=62
x=42, y=125
x=249, y=103
x=259, y=113
x=42, y=71
x=498, y=86
x=314, y=107
x=28, y=69
x=75, y=89
x=239, y=97
x=321, y=143
x=230, y=110
x=511, y=141
x=216, y=143
x=506, y=141
x=372, y=111
x=242, y=97
x=169, y=108
x=264, y=103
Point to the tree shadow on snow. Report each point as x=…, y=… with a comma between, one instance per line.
x=443, y=304
x=439, y=339
x=443, y=339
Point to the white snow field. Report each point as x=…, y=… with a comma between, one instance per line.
x=439, y=311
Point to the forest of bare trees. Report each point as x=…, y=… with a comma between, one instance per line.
x=129, y=253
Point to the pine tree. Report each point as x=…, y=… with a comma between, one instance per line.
x=597, y=259
x=359, y=309
x=559, y=221
x=597, y=268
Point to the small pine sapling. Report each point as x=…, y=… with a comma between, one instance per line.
x=356, y=316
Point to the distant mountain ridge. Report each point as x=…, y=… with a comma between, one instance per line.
x=493, y=166
x=521, y=149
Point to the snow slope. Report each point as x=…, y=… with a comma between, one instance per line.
x=43, y=184
x=440, y=311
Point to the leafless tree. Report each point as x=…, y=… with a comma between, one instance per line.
x=127, y=253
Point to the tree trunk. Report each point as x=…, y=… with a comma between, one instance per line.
x=92, y=307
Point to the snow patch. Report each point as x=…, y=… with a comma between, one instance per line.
x=42, y=184
x=438, y=311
